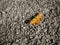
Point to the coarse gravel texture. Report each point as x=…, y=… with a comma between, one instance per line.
x=13, y=30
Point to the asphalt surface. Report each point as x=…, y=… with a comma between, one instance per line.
x=13, y=30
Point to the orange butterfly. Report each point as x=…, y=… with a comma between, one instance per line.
x=35, y=20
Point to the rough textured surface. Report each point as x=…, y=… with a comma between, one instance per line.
x=13, y=30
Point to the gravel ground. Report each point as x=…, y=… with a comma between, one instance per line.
x=13, y=30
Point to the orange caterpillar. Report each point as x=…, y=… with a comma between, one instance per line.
x=35, y=20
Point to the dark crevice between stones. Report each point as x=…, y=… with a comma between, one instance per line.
x=56, y=43
x=51, y=40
